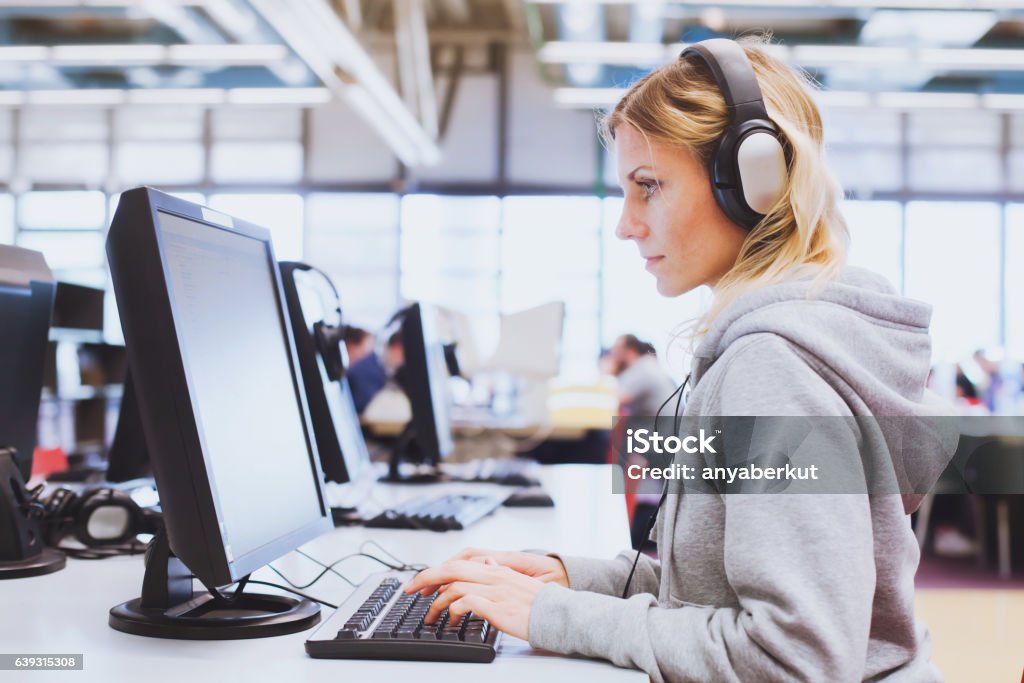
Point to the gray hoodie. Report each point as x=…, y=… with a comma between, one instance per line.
x=754, y=587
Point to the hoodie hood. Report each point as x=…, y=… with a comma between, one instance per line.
x=874, y=341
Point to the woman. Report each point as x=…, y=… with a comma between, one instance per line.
x=748, y=587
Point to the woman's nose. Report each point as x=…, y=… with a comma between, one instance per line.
x=629, y=227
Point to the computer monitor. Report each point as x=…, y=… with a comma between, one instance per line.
x=128, y=457
x=78, y=307
x=219, y=391
x=423, y=376
x=26, y=302
x=315, y=312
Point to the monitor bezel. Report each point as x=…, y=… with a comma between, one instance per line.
x=164, y=396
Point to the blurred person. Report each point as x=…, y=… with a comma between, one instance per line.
x=368, y=374
x=359, y=343
x=746, y=587
x=643, y=383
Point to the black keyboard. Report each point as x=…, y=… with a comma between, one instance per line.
x=503, y=471
x=437, y=513
x=379, y=621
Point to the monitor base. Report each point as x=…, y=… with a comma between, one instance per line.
x=249, y=616
x=169, y=608
x=46, y=562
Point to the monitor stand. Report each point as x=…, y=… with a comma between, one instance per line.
x=169, y=608
x=22, y=551
x=406, y=450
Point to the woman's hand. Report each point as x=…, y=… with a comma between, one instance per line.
x=501, y=595
x=540, y=567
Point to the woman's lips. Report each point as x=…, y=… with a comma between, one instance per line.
x=651, y=260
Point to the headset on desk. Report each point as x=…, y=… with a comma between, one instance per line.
x=104, y=520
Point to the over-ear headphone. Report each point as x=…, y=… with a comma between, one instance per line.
x=330, y=337
x=748, y=167
x=104, y=520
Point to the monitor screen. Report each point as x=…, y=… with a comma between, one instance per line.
x=437, y=371
x=311, y=298
x=424, y=378
x=237, y=360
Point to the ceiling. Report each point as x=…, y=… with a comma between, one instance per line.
x=902, y=53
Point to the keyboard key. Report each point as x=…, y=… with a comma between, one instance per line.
x=347, y=634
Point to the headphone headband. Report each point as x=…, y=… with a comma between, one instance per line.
x=734, y=75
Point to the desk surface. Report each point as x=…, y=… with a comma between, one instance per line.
x=66, y=612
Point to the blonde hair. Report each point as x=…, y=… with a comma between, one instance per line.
x=804, y=232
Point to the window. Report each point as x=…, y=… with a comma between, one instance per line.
x=61, y=211
x=1013, y=307
x=250, y=162
x=952, y=262
x=6, y=219
x=551, y=251
x=282, y=214
x=449, y=251
x=179, y=163
x=354, y=239
x=66, y=250
x=876, y=236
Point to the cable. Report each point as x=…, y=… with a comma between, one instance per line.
x=664, y=493
x=330, y=568
x=295, y=592
x=228, y=599
x=403, y=565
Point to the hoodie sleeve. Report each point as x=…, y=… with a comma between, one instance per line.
x=801, y=566
x=609, y=576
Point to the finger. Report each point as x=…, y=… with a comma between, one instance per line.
x=475, y=603
x=455, y=592
x=456, y=570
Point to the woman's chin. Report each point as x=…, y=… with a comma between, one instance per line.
x=673, y=288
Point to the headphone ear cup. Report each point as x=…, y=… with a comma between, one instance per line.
x=330, y=343
x=95, y=501
x=761, y=170
x=748, y=173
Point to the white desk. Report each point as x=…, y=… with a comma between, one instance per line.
x=66, y=612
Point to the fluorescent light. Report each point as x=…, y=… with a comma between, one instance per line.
x=842, y=99
x=135, y=55
x=278, y=96
x=588, y=52
x=972, y=58
x=831, y=55
x=1002, y=101
x=23, y=53
x=928, y=100
x=588, y=97
x=243, y=54
x=75, y=97
x=11, y=98
x=177, y=96
x=603, y=98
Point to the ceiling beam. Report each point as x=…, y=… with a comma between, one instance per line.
x=316, y=33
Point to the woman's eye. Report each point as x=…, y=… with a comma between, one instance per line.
x=648, y=188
